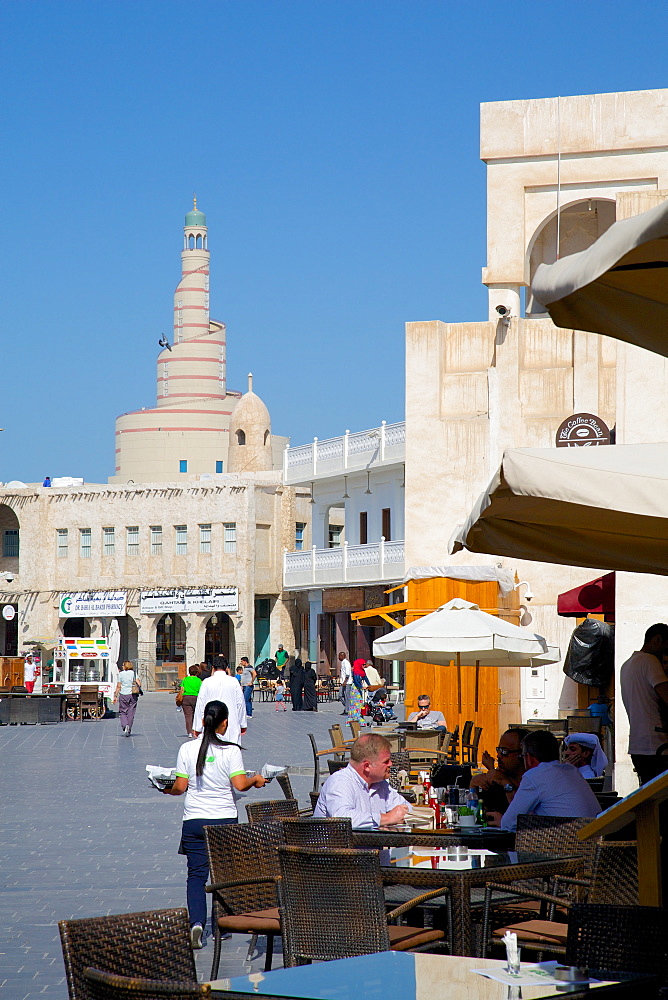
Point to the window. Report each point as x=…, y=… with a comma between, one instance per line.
x=267, y=436
x=84, y=543
x=364, y=522
x=241, y=437
x=386, y=531
x=299, y=536
x=132, y=541
x=156, y=540
x=219, y=466
x=183, y=465
x=10, y=543
x=230, y=544
x=205, y=538
x=108, y=541
x=61, y=537
x=181, y=539
x=335, y=532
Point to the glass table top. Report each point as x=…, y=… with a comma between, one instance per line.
x=410, y=976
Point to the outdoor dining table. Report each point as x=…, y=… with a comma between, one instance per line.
x=409, y=976
x=490, y=837
x=504, y=866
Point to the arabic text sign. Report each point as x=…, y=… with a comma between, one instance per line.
x=99, y=604
x=159, y=602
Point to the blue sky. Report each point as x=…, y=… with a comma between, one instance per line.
x=333, y=146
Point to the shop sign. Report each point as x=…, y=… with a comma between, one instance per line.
x=8, y=612
x=160, y=602
x=582, y=430
x=335, y=600
x=93, y=603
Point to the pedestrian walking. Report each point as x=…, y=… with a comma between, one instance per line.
x=281, y=658
x=279, y=695
x=208, y=770
x=188, y=692
x=296, y=684
x=127, y=694
x=247, y=680
x=310, y=691
x=345, y=680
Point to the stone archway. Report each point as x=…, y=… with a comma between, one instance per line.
x=9, y=540
x=581, y=223
x=170, y=639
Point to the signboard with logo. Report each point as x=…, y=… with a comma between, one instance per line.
x=96, y=604
x=582, y=430
x=8, y=612
x=160, y=602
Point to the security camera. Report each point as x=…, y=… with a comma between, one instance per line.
x=9, y=577
x=528, y=594
x=503, y=311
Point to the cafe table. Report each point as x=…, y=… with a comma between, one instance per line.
x=490, y=837
x=425, y=872
x=408, y=976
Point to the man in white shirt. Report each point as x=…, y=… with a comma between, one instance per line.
x=361, y=790
x=345, y=680
x=221, y=687
x=645, y=695
x=548, y=787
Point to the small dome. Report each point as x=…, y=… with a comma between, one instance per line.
x=250, y=435
x=194, y=217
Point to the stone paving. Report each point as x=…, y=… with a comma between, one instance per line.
x=83, y=832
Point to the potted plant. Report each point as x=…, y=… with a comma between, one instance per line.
x=466, y=816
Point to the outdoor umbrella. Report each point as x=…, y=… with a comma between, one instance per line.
x=618, y=286
x=460, y=631
x=594, y=507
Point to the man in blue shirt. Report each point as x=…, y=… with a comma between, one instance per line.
x=548, y=787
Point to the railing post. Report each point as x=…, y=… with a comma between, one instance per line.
x=382, y=441
x=345, y=562
x=285, y=463
x=313, y=564
x=345, y=449
x=315, y=456
x=381, y=557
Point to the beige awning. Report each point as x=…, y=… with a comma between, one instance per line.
x=604, y=508
x=618, y=286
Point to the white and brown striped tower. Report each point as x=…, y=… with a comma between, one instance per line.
x=187, y=433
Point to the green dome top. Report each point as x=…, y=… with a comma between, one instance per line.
x=194, y=217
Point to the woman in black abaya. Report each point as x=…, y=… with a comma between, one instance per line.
x=296, y=682
x=310, y=694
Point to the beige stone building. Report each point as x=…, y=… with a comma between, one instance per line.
x=474, y=389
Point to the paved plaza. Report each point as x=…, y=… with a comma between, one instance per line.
x=85, y=834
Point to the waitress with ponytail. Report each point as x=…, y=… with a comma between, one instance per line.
x=207, y=770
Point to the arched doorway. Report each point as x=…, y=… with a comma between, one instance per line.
x=9, y=540
x=76, y=628
x=170, y=639
x=580, y=225
x=219, y=637
x=129, y=639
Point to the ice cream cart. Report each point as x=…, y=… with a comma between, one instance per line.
x=82, y=664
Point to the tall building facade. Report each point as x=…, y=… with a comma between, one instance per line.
x=186, y=434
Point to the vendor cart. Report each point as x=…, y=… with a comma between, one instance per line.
x=81, y=665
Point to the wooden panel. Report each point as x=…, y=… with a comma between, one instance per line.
x=11, y=671
x=492, y=699
x=343, y=599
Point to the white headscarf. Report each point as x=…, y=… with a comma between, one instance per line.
x=599, y=761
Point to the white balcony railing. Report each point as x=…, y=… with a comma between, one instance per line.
x=348, y=453
x=378, y=562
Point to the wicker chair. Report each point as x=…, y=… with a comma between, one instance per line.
x=355, y=729
x=614, y=881
x=318, y=832
x=470, y=749
x=606, y=938
x=152, y=945
x=318, y=756
x=332, y=906
x=314, y=796
x=107, y=986
x=339, y=741
x=271, y=810
x=453, y=746
x=244, y=869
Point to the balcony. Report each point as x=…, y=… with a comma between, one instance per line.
x=358, y=452
x=379, y=562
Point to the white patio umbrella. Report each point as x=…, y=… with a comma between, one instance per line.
x=460, y=631
x=605, y=508
x=618, y=286
x=114, y=643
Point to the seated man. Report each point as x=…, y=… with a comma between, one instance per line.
x=548, y=787
x=425, y=718
x=361, y=790
x=499, y=785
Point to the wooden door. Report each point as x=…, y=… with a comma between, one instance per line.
x=488, y=695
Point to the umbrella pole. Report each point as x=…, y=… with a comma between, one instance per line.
x=477, y=684
x=459, y=684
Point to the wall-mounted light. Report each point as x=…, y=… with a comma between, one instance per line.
x=402, y=484
x=214, y=620
x=168, y=621
x=312, y=500
x=368, y=489
x=346, y=495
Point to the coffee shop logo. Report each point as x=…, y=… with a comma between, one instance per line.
x=582, y=430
